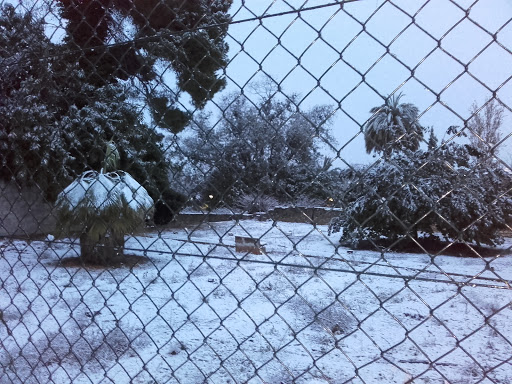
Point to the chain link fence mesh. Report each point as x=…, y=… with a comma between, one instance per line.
x=255, y=191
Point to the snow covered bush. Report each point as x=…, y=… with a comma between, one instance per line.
x=447, y=191
x=103, y=207
x=252, y=203
x=452, y=190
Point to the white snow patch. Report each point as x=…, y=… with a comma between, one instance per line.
x=306, y=312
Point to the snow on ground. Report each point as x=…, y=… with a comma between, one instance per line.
x=306, y=312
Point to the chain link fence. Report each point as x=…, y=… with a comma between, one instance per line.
x=255, y=191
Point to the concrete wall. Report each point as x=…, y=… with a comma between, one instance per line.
x=24, y=212
x=319, y=216
x=190, y=219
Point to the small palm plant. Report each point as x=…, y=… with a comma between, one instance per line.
x=393, y=126
x=103, y=207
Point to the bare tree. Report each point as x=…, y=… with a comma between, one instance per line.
x=485, y=126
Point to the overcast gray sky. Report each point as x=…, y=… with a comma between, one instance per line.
x=327, y=57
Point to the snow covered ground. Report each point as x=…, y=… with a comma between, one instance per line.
x=306, y=312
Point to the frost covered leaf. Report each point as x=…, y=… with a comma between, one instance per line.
x=103, y=204
x=102, y=190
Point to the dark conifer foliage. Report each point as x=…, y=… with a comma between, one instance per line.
x=187, y=35
x=60, y=103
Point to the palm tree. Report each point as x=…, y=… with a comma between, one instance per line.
x=103, y=207
x=393, y=126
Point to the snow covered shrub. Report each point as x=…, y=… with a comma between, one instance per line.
x=447, y=191
x=103, y=207
x=252, y=203
x=453, y=190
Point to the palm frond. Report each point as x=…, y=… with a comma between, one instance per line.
x=393, y=126
x=99, y=202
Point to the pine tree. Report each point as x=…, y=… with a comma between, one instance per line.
x=484, y=127
x=185, y=37
x=27, y=125
x=188, y=36
x=54, y=124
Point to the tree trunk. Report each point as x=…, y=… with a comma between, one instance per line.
x=104, y=251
